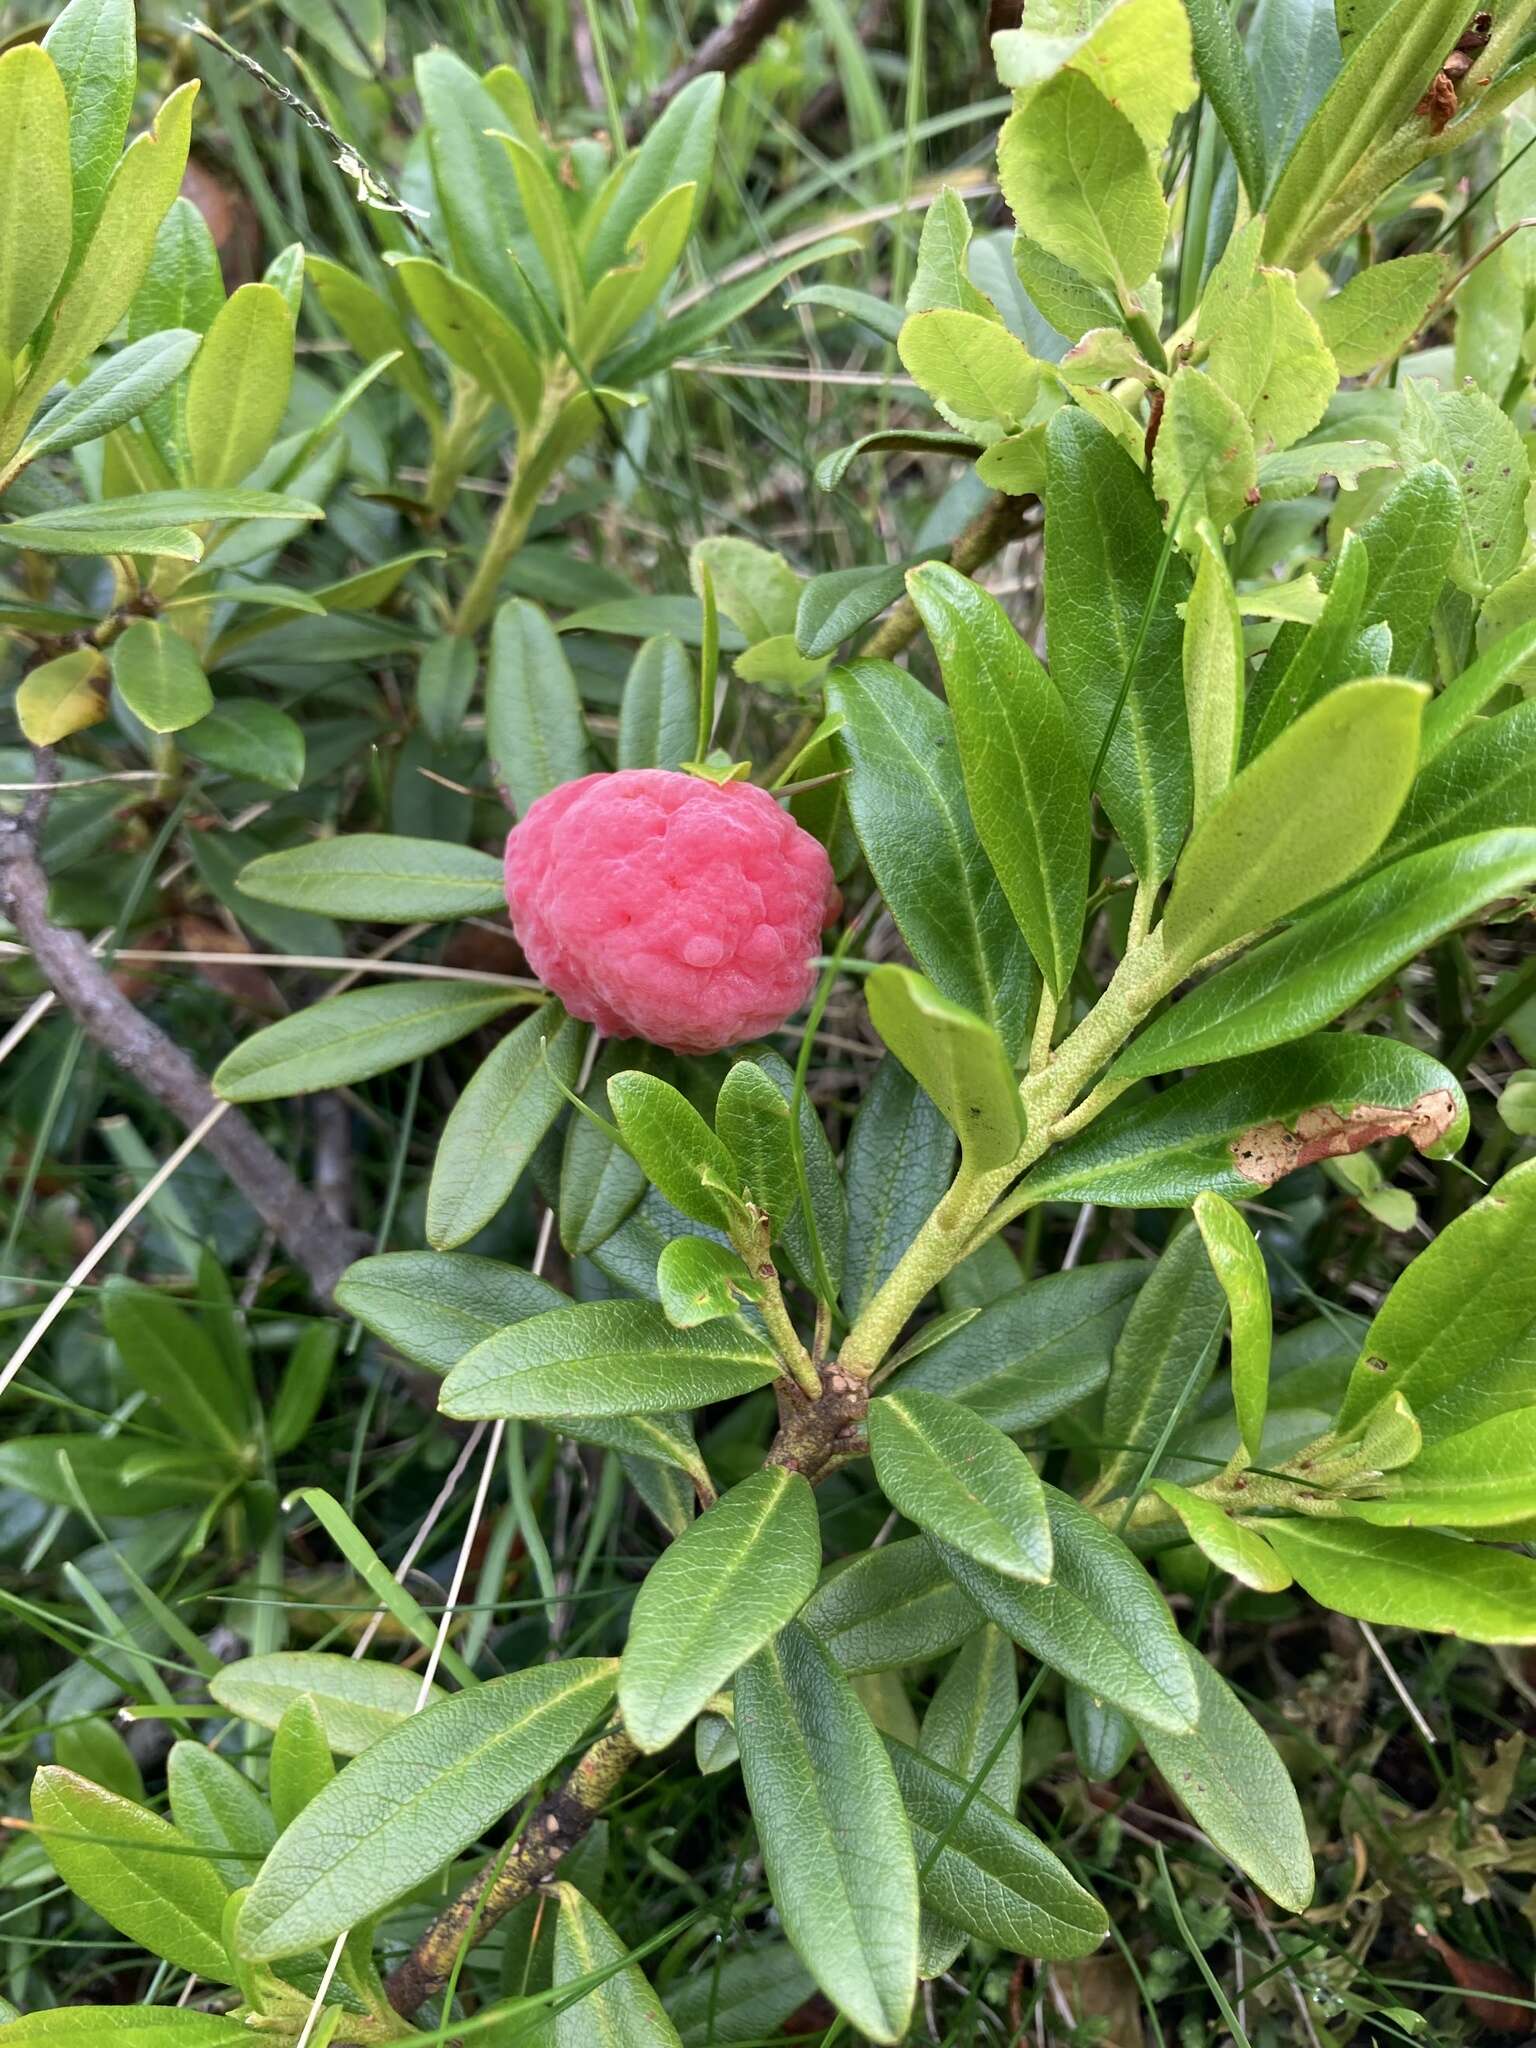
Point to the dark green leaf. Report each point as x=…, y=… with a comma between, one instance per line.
x=353, y=1036
x=889, y=1607
x=1166, y=1355
x=358, y=1702
x=658, y=713
x=954, y=1474
x=900, y=1158
x=378, y=876
x=498, y=1122
x=957, y=1058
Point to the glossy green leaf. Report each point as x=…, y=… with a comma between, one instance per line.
x=1101, y=1621
x=1166, y=1354
x=1235, y=1547
x=828, y=1205
x=358, y=1701
x=92, y=44
x=992, y=1876
x=34, y=191
x=1485, y=778
x=115, y=391
x=956, y=1475
x=1229, y=1776
x=1483, y=1477
x=679, y=149
x=714, y=1598
x=833, y=1831
x=676, y=1147
x=159, y=677
x=909, y=809
x=533, y=726
x=183, y=287
x=1214, y=674
x=956, y=1058
x=700, y=1281
x=622, y=2011
x=133, y=1870
x=482, y=217
x=1104, y=543
x=416, y=1798
x=1454, y=1336
x=1300, y=819
x=1239, y=1266
x=384, y=878
x=658, y=713
x=752, y=1122
x=498, y=1122
x=1409, y=1578
x=299, y=1767
x=248, y=738
x=1034, y=1353
x=900, y=1158
x=1102, y=1738
x=171, y=1356
x=1463, y=698
x=352, y=1036
x=237, y=391
x=1304, y=666
x=1027, y=789
x=1241, y=1126
x=1329, y=959
x=1080, y=183
x=605, y=1358
x=889, y=1607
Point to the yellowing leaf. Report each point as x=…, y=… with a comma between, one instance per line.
x=34, y=191
x=1137, y=53
x=1203, y=467
x=980, y=376
x=1270, y=356
x=1213, y=673
x=62, y=696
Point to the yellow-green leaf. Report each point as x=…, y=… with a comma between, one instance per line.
x=1270, y=357
x=237, y=391
x=475, y=335
x=1234, y=1547
x=1380, y=310
x=158, y=676
x=957, y=1057
x=979, y=375
x=62, y=696
x=1213, y=673
x=34, y=191
x=1239, y=1265
x=1204, y=467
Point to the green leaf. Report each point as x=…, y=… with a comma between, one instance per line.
x=979, y=375
x=1233, y=1783
x=435, y=1306
x=1079, y=182
x=677, y=1149
x=752, y=1123
x=1298, y=471
x=1484, y=779
x=1103, y=550
x=1243, y=1125
x=248, y=738
x=1410, y=542
x=909, y=809
x=1454, y=1335
x=1482, y=448
x=110, y=269
x=498, y=1122
x=1102, y=1738
x=1388, y=69
x=153, y=523
x=956, y=1475
x=828, y=1204
x=1300, y=819
x=622, y=2011
x=481, y=215
x=1072, y=305
x=1204, y=467
x=372, y=328
x=34, y=191
x=679, y=149
x=1101, y=1621
x=714, y=1598
x=1235, y=1547
x=93, y=1749
x=833, y=1831
x=117, y=1475
x=217, y=1807
x=62, y=696
x=134, y=1871
x=1228, y=84
x=1409, y=1578
x=1303, y=667
x=1329, y=959
x=358, y=1702
x=605, y=1358
x=1215, y=671
x=739, y=1998
x=754, y=587
x=92, y=44
x=958, y=1060
x=474, y=335
x=116, y=390
x=600, y=1185
x=1380, y=310
x=182, y=288
x=942, y=278
x=992, y=1876
x=699, y=1281
x=1034, y=1353
x=832, y=469
x=114, y=2026
x=890, y=1607
x=170, y=1355
x=1460, y=701
x=974, y=1706
x=302, y=1387
x=376, y=1576
x=353, y=1036
x=533, y=725
x=622, y=296
x=158, y=676
x=1165, y=1356
x=300, y=1766
x=384, y=878
x=1480, y=1478
x=237, y=392
x=900, y=1159
x=415, y=1799
x=658, y=713
x=1239, y=1266
x=1270, y=358
x=1027, y=790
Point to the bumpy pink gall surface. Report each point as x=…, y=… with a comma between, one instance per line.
x=657, y=905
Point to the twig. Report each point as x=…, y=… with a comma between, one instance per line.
x=997, y=523
x=315, y=1243
x=727, y=48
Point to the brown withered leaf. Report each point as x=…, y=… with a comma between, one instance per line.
x=1486, y=1980
x=252, y=987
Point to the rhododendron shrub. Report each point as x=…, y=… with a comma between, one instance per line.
x=878, y=1390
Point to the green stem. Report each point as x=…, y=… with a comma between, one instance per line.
x=786, y=1341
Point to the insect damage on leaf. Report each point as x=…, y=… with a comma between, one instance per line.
x=1440, y=103
x=1267, y=1152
